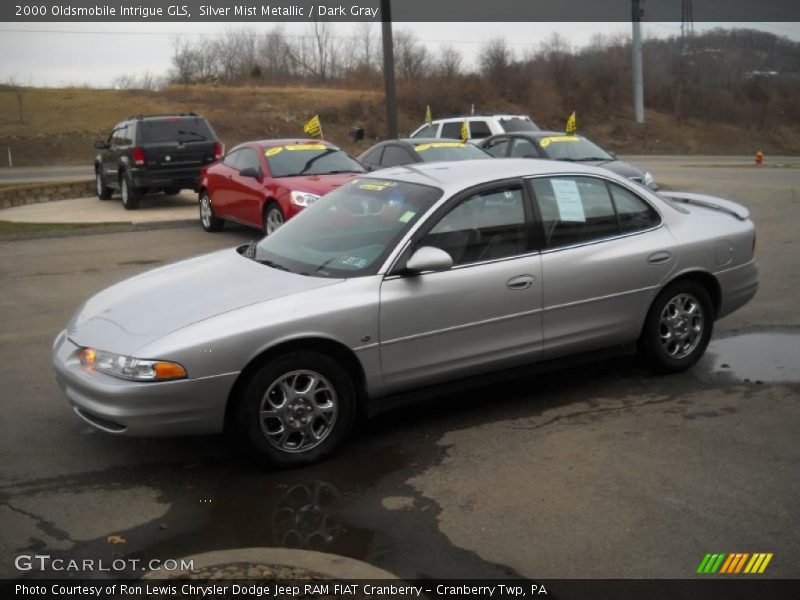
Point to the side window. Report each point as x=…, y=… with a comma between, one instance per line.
x=482, y=227
x=119, y=137
x=373, y=157
x=247, y=159
x=634, y=213
x=479, y=129
x=429, y=131
x=231, y=159
x=394, y=156
x=574, y=210
x=497, y=148
x=521, y=148
x=452, y=130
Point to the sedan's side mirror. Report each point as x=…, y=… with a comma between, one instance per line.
x=250, y=172
x=429, y=258
x=101, y=145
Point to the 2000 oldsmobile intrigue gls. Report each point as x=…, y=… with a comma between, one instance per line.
x=419, y=277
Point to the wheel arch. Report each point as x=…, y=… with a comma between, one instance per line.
x=329, y=347
x=704, y=278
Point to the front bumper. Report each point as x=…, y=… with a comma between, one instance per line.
x=113, y=405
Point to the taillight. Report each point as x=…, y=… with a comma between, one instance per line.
x=138, y=157
x=218, y=151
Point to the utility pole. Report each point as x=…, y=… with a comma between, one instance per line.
x=388, y=69
x=636, y=45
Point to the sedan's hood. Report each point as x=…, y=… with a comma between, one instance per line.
x=144, y=308
x=317, y=184
x=619, y=167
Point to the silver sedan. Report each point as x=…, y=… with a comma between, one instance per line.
x=396, y=286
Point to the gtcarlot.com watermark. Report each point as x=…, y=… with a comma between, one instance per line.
x=44, y=562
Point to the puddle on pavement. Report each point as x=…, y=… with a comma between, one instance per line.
x=356, y=504
x=763, y=357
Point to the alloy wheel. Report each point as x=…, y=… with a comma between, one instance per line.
x=273, y=220
x=681, y=326
x=298, y=411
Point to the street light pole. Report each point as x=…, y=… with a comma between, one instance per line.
x=638, y=77
x=388, y=69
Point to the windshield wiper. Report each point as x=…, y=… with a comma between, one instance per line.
x=194, y=133
x=273, y=264
x=339, y=171
x=313, y=159
x=590, y=158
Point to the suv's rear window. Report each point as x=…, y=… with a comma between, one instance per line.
x=517, y=124
x=175, y=129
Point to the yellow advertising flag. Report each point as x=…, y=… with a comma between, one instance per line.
x=572, y=124
x=313, y=127
x=464, y=131
x=428, y=117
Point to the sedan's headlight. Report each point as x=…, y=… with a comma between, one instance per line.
x=649, y=181
x=303, y=199
x=126, y=367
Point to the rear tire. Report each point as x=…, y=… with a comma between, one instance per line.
x=273, y=218
x=295, y=410
x=130, y=195
x=103, y=191
x=678, y=327
x=208, y=220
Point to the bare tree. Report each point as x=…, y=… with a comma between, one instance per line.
x=411, y=57
x=448, y=64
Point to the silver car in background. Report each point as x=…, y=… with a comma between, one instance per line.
x=399, y=283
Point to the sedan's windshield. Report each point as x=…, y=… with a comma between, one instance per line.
x=292, y=160
x=572, y=147
x=441, y=151
x=349, y=231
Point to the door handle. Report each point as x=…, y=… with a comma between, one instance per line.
x=657, y=258
x=520, y=282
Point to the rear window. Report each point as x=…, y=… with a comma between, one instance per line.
x=439, y=151
x=518, y=124
x=309, y=159
x=175, y=129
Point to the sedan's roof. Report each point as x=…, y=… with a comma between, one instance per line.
x=453, y=176
x=289, y=142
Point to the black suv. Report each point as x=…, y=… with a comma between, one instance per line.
x=149, y=153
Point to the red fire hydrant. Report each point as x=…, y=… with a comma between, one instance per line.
x=759, y=158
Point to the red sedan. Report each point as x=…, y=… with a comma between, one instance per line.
x=262, y=184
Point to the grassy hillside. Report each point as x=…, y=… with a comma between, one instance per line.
x=60, y=125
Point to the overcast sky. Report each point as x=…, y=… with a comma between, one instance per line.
x=57, y=54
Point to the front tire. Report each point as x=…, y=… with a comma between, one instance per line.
x=678, y=327
x=103, y=192
x=208, y=220
x=295, y=410
x=130, y=195
x=273, y=218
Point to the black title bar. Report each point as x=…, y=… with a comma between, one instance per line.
x=445, y=11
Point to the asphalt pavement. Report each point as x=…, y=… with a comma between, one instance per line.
x=599, y=471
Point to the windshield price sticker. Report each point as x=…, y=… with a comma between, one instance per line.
x=423, y=147
x=407, y=216
x=273, y=151
x=568, y=200
x=545, y=142
x=307, y=147
x=376, y=186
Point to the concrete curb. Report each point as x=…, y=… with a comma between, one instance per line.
x=330, y=565
x=35, y=193
x=99, y=230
